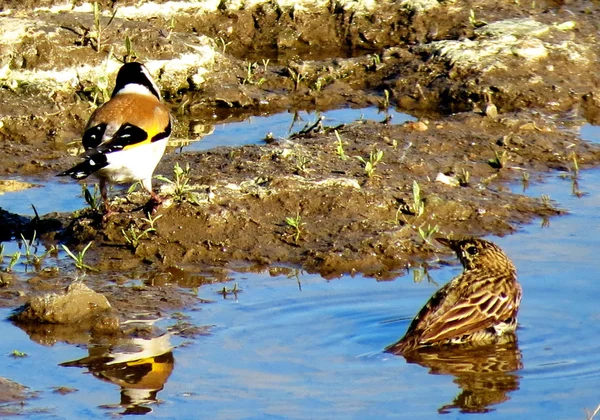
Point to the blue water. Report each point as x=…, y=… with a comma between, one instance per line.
x=47, y=196
x=282, y=350
x=255, y=129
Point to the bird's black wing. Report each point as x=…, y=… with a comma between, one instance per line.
x=126, y=135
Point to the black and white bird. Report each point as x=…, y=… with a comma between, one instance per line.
x=125, y=138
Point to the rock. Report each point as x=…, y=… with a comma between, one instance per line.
x=79, y=303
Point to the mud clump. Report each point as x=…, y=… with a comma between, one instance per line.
x=78, y=304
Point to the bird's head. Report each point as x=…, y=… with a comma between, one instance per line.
x=134, y=78
x=478, y=253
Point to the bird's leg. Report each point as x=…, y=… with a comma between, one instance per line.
x=104, y=193
x=155, y=199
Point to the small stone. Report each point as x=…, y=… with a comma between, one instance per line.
x=417, y=126
x=448, y=180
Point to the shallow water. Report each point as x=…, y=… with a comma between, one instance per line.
x=255, y=129
x=305, y=347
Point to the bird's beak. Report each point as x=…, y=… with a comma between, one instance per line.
x=450, y=243
x=445, y=241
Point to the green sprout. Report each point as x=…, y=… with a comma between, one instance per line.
x=575, y=165
x=475, y=23
x=250, y=78
x=296, y=77
x=130, y=54
x=18, y=354
x=13, y=261
x=427, y=234
x=28, y=244
x=133, y=187
x=171, y=28
x=301, y=162
x=318, y=85
x=152, y=220
x=233, y=291
x=499, y=160
x=463, y=178
x=385, y=102
x=30, y=252
x=98, y=92
x=525, y=180
x=133, y=235
x=223, y=44
x=98, y=24
x=296, y=223
x=546, y=200
x=418, y=206
x=79, y=257
x=182, y=191
x=339, y=146
x=265, y=65
x=369, y=165
x=375, y=62
x=93, y=199
x=182, y=106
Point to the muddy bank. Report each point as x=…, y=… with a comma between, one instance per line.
x=348, y=220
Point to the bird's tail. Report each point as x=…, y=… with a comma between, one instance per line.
x=90, y=165
x=406, y=344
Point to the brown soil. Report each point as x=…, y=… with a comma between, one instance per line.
x=516, y=106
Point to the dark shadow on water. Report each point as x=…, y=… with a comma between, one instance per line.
x=485, y=374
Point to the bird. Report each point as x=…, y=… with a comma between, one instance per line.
x=478, y=306
x=126, y=137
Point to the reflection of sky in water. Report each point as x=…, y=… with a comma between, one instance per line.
x=254, y=129
x=590, y=133
x=46, y=196
x=559, y=269
x=278, y=352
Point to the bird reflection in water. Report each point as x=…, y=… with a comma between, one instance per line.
x=485, y=374
x=140, y=366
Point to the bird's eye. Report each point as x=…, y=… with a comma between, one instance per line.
x=472, y=250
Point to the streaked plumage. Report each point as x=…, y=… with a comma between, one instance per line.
x=126, y=137
x=480, y=305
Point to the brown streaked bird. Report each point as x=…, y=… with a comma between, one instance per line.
x=126, y=137
x=479, y=306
